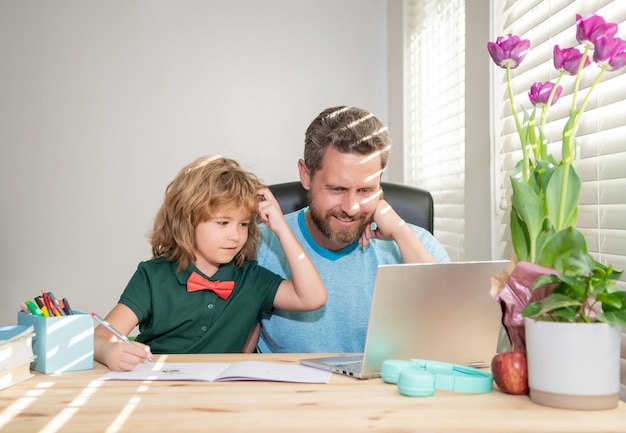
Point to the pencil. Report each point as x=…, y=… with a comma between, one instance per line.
x=114, y=331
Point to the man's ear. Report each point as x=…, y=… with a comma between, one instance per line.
x=305, y=177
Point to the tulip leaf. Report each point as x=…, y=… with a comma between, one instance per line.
x=543, y=173
x=562, y=195
x=519, y=236
x=568, y=144
x=529, y=208
x=556, y=250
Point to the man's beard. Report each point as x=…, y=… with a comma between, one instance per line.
x=339, y=236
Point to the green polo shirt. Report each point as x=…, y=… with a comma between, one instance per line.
x=172, y=320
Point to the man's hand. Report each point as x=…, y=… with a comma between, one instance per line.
x=390, y=227
x=387, y=223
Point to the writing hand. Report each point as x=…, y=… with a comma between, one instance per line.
x=124, y=357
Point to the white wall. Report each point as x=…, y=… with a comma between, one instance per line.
x=102, y=102
x=478, y=156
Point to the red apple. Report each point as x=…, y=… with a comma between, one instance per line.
x=510, y=372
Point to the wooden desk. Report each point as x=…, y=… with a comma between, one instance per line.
x=78, y=402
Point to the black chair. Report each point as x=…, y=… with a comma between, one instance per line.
x=413, y=204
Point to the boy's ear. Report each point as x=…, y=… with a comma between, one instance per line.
x=305, y=175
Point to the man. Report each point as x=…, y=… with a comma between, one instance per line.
x=345, y=152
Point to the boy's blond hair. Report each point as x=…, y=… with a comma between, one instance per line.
x=192, y=197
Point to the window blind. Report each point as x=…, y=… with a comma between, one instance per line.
x=435, y=113
x=601, y=135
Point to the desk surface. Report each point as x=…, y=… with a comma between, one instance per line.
x=78, y=402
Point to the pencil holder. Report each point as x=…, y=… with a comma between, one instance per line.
x=61, y=344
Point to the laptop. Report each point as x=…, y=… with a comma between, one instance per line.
x=435, y=311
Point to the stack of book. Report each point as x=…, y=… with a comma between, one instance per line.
x=16, y=354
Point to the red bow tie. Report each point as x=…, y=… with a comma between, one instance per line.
x=196, y=282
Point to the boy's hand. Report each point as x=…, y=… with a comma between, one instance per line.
x=122, y=356
x=269, y=210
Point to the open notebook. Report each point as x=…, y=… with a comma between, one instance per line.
x=435, y=311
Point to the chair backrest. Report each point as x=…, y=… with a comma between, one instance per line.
x=413, y=204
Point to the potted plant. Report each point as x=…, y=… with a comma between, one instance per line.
x=555, y=281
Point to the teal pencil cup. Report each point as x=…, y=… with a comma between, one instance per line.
x=61, y=344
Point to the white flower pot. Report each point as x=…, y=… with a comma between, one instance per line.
x=573, y=365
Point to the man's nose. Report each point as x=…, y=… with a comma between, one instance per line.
x=350, y=203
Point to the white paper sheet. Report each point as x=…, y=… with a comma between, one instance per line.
x=217, y=371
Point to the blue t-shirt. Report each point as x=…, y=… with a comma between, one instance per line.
x=348, y=274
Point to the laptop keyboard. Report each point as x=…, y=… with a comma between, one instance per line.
x=348, y=367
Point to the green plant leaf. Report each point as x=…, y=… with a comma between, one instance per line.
x=568, y=145
x=610, y=301
x=542, y=174
x=556, y=300
x=562, y=196
x=532, y=309
x=569, y=314
x=557, y=248
x=615, y=318
x=529, y=208
x=531, y=135
x=582, y=263
x=540, y=246
x=544, y=280
x=519, y=236
x=613, y=288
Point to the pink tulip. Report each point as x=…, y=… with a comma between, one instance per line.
x=540, y=93
x=568, y=60
x=509, y=49
x=610, y=53
x=588, y=30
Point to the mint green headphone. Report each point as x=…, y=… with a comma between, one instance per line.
x=420, y=378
